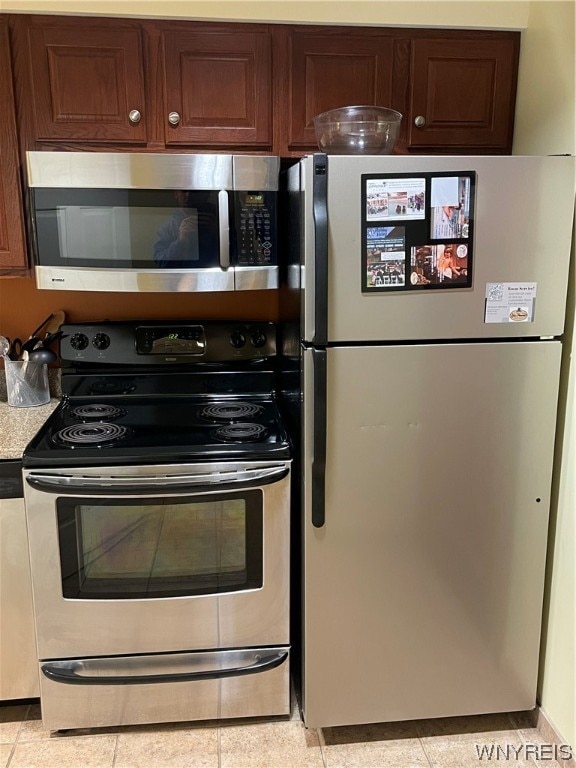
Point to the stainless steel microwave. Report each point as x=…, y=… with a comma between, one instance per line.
x=103, y=221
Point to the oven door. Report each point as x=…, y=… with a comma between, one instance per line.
x=130, y=560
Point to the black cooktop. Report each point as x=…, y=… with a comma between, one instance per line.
x=170, y=392
x=161, y=430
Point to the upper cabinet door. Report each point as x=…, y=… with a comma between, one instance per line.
x=463, y=94
x=86, y=80
x=13, y=256
x=218, y=87
x=329, y=69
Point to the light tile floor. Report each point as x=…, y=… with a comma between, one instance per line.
x=279, y=743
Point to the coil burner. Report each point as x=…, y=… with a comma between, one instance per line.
x=233, y=411
x=240, y=433
x=97, y=412
x=94, y=434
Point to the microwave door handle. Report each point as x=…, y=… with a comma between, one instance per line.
x=65, y=672
x=224, y=228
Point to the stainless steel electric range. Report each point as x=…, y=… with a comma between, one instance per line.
x=158, y=510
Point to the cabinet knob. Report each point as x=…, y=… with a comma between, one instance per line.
x=420, y=121
x=134, y=116
x=173, y=118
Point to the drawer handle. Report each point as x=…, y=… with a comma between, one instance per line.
x=67, y=674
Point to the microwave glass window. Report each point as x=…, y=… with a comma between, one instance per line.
x=128, y=549
x=127, y=228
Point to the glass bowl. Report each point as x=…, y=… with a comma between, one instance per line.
x=357, y=130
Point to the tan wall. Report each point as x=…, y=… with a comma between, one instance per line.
x=545, y=104
x=545, y=124
x=477, y=14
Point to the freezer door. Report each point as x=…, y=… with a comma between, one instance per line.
x=521, y=233
x=422, y=590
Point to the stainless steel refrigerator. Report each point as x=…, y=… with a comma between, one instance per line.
x=433, y=295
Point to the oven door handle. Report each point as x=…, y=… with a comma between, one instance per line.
x=65, y=672
x=200, y=483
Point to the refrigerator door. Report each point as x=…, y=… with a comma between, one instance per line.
x=422, y=589
x=521, y=234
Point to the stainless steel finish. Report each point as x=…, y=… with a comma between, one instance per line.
x=134, y=116
x=18, y=667
x=77, y=706
x=419, y=121
x=73, y=628
x=173, y=118
x=128, y=170
x=140, y=483
x=252, y=172
x=224, y=229
x=437, y=499
x=134, y=280
x=256, y=278
x=155, y=669
x=134, y=170
x=513, y=233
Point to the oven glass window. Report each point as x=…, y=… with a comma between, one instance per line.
x=127, y=228
x=115, y=549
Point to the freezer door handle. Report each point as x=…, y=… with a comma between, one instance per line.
x=67, y=672
x=320, y=211
x=319, y=447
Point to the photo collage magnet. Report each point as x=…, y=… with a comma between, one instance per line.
x=417, y=230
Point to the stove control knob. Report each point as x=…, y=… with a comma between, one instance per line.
x=79, y=341
x=258, y=338
x=237, y=339
x=101, y=341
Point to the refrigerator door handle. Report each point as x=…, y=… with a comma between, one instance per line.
x=320, y=212
x=319, y=445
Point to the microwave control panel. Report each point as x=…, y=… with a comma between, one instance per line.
x=255, y=228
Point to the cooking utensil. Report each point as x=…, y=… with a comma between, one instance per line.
x=51, y=338
x=31, y=344
x=15, y=349
x=41, y=326
x=358, y=130
x=55, y=321
x=4, y=347
x=42, y=355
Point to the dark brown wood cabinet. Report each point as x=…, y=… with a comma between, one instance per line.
x=13, y=258
x=456, y=89
x=81, y=80
x=217, y=87
x=462, y=94
x=328, y=68
x=143, y=84
x=157, y=84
